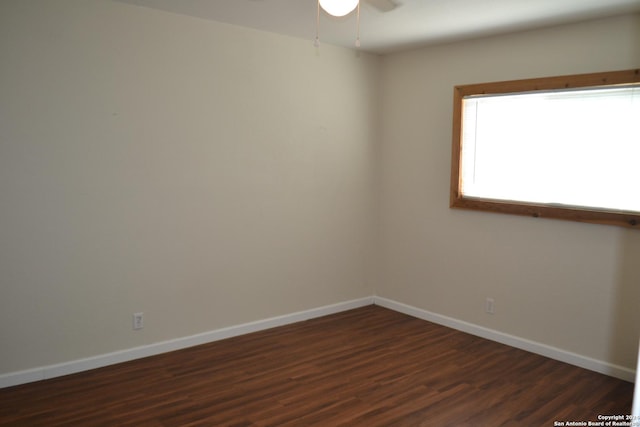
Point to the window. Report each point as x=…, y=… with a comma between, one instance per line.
x=561, y=147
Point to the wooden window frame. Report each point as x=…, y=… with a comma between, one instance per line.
x=457, y=200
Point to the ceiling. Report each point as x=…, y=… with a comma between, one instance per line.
x=413, y=23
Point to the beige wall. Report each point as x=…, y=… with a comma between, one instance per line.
x=209, y=175
x=204, y=174
x=567, y=285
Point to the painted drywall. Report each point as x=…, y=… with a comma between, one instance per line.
x=572, y=286
x=209, y=175
x=204, y=174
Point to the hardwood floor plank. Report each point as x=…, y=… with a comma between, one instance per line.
x=364, y=367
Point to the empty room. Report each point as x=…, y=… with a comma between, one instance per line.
x=256, y=213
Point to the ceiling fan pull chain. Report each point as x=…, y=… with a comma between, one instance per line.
x=358, y=26
x=316, y=42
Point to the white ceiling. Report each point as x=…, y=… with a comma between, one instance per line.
x=413, y=23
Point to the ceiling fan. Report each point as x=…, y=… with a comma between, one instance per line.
x=383, y=5
x=345, y=7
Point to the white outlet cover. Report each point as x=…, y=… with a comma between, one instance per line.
x=138, y=321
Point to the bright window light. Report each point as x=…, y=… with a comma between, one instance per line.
x=578, y=148
x=565, y=147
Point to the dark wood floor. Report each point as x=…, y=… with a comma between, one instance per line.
x=364, y=367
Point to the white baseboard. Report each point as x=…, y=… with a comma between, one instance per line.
x=52, y=371
x=575, y=359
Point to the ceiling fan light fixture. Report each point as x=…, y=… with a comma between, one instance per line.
x=338, y=7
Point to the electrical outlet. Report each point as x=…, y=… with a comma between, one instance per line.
x=138, y=321
x=490, y=306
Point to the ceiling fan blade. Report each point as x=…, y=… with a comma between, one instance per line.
x=383, y=5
